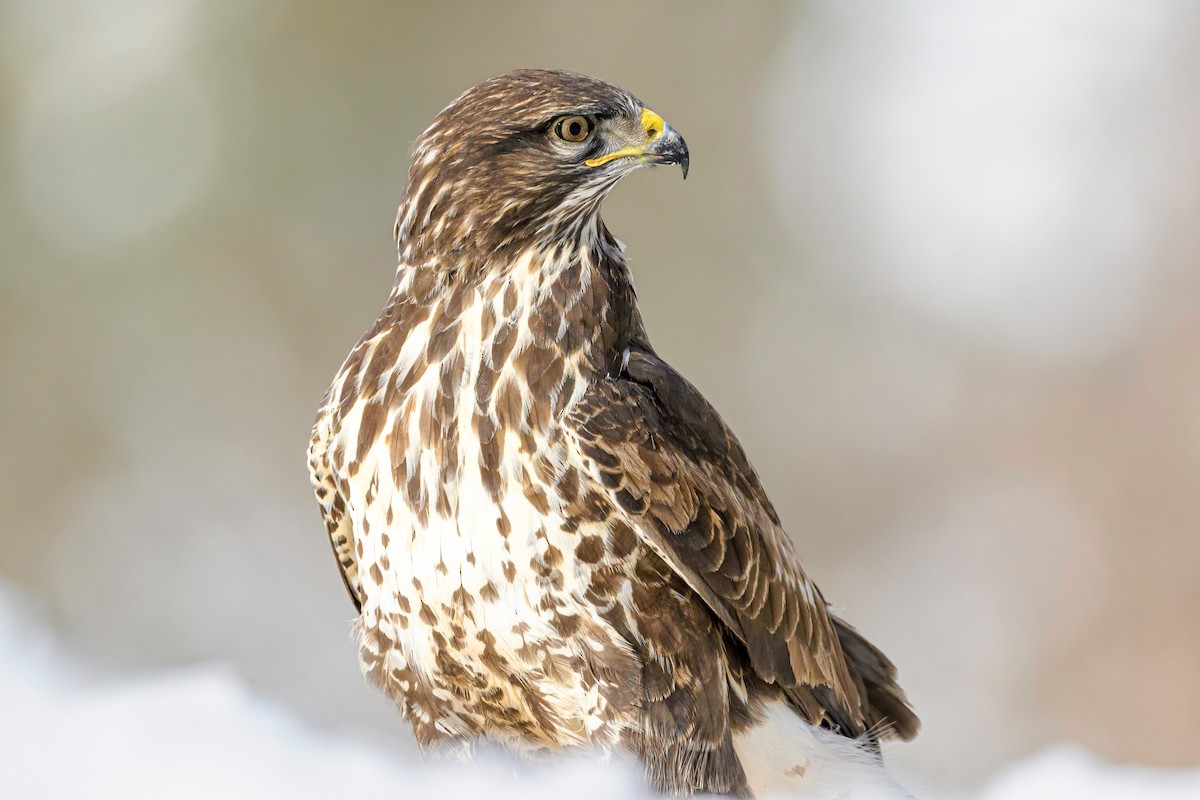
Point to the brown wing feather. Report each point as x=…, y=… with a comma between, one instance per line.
x=330, y=496
x=672, y=464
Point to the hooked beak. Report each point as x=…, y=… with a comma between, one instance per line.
x=662, y=145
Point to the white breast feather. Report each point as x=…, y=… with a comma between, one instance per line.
x=436, y=554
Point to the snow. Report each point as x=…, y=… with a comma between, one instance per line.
x=1068, y=772
x=198, y=732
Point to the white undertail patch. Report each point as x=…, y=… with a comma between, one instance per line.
x=784, y=756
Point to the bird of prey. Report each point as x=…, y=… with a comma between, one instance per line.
x=551, y=538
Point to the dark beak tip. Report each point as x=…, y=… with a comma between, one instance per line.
x=671, y=149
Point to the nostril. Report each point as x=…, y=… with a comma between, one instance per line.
x=652, y=133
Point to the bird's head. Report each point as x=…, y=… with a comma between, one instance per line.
x=525, y=156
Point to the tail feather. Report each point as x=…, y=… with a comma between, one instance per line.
x=886, y=708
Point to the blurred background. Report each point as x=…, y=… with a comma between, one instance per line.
x=936, y=263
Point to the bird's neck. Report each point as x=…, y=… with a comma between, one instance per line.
x=525, y=336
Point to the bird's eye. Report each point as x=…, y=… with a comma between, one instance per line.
x=575, y=128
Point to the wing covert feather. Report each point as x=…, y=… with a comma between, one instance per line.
x=674, y=467
x=330, y=496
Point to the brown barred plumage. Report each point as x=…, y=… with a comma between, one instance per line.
x=552, y=539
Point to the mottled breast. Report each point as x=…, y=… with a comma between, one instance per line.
x=474, y=562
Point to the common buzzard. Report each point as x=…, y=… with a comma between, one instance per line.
x=552, y=539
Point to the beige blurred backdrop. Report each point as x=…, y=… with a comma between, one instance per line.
x=936, y=263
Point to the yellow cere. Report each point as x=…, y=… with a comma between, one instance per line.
x=652, y=124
